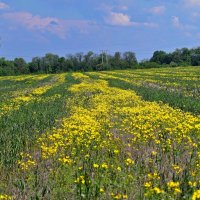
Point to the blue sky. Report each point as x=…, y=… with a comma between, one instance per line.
x=35, y=27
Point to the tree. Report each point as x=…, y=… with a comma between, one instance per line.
x=130, y=59
x=6, y=67
x=146, y=64
x=159, y=57
x=186, y=56
x=50, y=62
x=35, y=65
x=89, y=60
x=70, y=62
x=195, y=56
x=62, y=64
x=20, y=66
x=117, y=60
x=177, y=56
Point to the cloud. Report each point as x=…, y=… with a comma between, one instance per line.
x=192, y=2
x=195, y=14
x=157, y=10
x=115, y=15
x=109, y=8
x=3, y=6
x=188, y=30
x=53, y=25
x=120, y=19
x=122, y=7
x=176, y=22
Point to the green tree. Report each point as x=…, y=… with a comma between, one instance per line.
x=20, y=66
x=50, y=62
x=159, y=57
x=130, y=59
x=35, y=65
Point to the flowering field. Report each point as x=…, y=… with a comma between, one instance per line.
x=101, y=135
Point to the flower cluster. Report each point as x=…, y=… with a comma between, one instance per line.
x=114, y=145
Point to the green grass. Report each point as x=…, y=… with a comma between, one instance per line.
x=176, y=98
x=120, y=122
x=20, y=128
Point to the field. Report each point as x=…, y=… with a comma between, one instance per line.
x=131, y=134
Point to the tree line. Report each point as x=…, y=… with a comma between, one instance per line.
x=52, y=63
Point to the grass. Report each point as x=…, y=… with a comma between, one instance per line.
x=20, y=128
x=173, y=91
x=108, y=135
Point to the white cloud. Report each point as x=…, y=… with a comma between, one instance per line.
x=122, y=7
x=157, y=10
x=185, y=28
x=176, y=22
x=109, y=8
x=53, y=25
x=3, y=6
x=192, y=2
x=195, y=14
x=119, y=19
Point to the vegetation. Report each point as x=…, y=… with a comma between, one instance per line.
x=90, y=61
x=51, y=63
x=101, y=135
x=179, y=88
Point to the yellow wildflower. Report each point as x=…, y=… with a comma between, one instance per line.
x=95, y=165
x=129, y=161
x=196, y=195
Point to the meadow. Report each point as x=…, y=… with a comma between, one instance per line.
x=124, y=134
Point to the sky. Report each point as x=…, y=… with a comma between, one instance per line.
x=36, y=27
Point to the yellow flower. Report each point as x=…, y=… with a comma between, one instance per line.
x=116, y=151
x=154, y=153
x=95, y=165
x=177, y=169
x=80, y=179
x=104, y=166
x=172, y=184
x=125, y=196
x=129, y=161
x=117, y=196
x=5, y=197
x=192, y=184
x=103, y=120
x=158, y=190
x=147, y=184
x=65, y=160
x=101, y=190
x=177, y=190
x=119, y=169
x=196, y=195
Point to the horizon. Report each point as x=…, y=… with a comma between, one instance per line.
x=62, y=27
